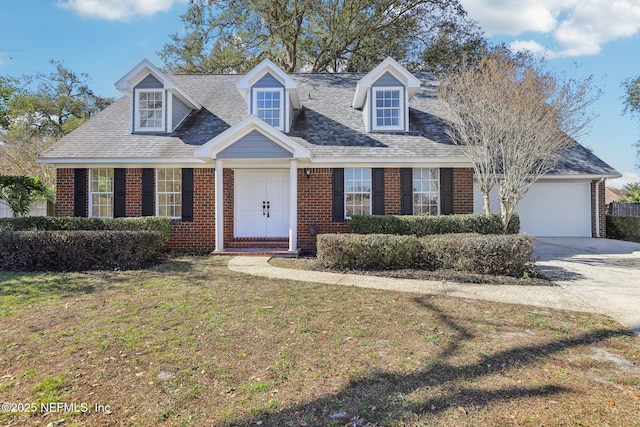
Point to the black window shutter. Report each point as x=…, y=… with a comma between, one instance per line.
x=406, y=191
x=377, y=175
x=187, y=194
x=148, y=194
x=119, y=192
x=446, y=191
x=337, y=195
x=80, y=192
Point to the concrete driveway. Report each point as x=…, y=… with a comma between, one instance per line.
x=602, y=272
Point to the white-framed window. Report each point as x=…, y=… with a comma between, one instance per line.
x=357, y=191
x=268, y=104
x=388, y=109
x=426, y=191
x=169, y=192
x=150, y=110
x=101, y=193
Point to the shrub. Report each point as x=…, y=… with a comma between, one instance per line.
x=146, y=223
x=623, y=226
x=507, y=255
x=78, y=250
x=475, y=253
x=369, y=252
x=428, y=225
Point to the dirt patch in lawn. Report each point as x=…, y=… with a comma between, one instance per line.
x=191, y=343
x=311, y=263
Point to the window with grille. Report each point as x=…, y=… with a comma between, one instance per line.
x=169, y=192
x=357, y=191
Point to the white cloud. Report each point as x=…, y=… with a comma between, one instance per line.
x=626, y=178
x=533, y=47
x=576, y=27
x=117, y=10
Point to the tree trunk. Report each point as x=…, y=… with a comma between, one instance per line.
x=487, y=203
x=506, y=212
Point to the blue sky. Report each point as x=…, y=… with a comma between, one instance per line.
x=106, y=38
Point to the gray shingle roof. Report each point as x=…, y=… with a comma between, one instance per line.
x=327, y=126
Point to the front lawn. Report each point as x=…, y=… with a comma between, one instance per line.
x=189, y=342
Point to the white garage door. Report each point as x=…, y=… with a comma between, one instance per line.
x=555, y=208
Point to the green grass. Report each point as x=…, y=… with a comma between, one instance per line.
x=19, y=290
x=189, y=343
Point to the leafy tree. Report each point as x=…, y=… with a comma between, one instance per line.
x=20, y=191
x=223, y=36
x=632, y=192
x=37, y=110
x=632, y=103
x=8, y=89
x=514, y=119
x=60, y=102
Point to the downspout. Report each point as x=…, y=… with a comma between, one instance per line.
x=598, y=207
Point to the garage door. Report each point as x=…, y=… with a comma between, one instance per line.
x=555, y=208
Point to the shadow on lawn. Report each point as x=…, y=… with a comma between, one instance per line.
x=33, y=285
x=387, y=392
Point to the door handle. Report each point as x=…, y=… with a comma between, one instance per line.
x=264, y=205
x=268, y=206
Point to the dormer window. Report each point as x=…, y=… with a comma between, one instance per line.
x=388, y=109
x=383, y=96
x=158, y=104
x=271, y=95
x=150, y=111
x=268, y=106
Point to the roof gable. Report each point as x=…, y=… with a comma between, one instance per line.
x=395, y=70
x=141, y=72
x=256, y=129
x=245, y=84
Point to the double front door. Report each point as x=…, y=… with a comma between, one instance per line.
x=261, y=202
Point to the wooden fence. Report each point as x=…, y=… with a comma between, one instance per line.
x=620, y=208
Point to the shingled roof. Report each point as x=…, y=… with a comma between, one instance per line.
x=327, y=126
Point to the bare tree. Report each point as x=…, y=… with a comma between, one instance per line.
x=514, y=120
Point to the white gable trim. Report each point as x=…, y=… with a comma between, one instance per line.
x=268, y=67
x=250, y=123
x=396, y=70
x=142, y=70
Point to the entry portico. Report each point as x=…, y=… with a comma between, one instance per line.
x=265, y=164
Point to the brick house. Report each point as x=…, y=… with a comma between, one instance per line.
x=269, y=159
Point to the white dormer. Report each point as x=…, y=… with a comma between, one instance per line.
x=383, y=95
x=271, y=95
x=157, y=103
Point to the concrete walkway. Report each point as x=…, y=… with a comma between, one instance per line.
x=593, y=275
x=604, y=272
x=537, y=296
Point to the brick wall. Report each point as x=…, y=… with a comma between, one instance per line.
x=228, y=204
x=392, y=191
x=462, y=190
x=133, y=205
x=198, y=235
x=603, y=213
x=314, y=204
x=314, y=207
x=64, y=191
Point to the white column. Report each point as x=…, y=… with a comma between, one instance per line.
x=293, y=205
x=219, y=207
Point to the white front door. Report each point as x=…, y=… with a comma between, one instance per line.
x=261, y=202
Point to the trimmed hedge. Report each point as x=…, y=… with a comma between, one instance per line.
x=475, y=253
x=426, y=225
x=623, y=226
x=147, y=223
x=78, y=250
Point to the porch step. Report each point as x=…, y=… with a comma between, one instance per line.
x=261, y=251
x=258, y=243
